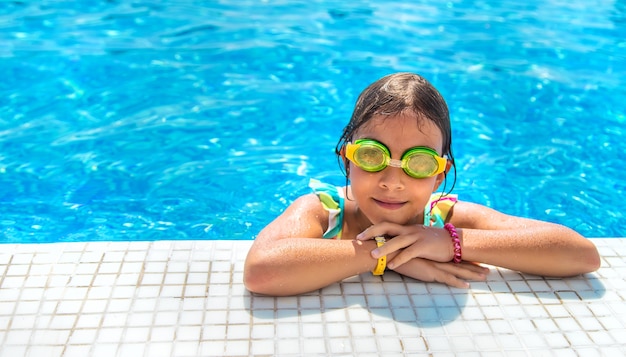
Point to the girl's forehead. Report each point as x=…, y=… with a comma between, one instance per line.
x=402, y=122
x=403, y=129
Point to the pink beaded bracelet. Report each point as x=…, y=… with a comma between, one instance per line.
x=455, y=241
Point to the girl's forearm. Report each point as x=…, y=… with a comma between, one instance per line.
x=297, y=265
x=547, y=250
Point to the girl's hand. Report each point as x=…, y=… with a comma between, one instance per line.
x=410, y=241
x=451, y=274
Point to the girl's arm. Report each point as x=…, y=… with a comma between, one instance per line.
x=290, y=257
x=521, y=244
x=490, y=237
x=282, y=261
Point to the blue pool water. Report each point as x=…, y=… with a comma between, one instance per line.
x=129, y=120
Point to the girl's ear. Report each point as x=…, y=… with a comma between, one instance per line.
x=346, y=162
x=442, y=176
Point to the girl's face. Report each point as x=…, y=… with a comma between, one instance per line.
x=391, y=195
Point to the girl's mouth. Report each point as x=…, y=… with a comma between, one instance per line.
x=391, y=205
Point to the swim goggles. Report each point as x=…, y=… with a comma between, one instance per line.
x=373, y=156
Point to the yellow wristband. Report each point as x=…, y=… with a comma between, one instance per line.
x=382, y=261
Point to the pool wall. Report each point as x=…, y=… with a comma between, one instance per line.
x=186, y=298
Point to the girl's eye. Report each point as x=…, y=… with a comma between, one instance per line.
x=371, y=156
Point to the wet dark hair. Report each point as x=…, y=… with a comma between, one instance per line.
x=394, y=94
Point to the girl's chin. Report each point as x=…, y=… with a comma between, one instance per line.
x=403, y=221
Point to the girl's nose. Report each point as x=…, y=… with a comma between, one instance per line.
x=392, y=177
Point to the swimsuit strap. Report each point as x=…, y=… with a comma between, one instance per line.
x=332, y=199
x=438, y=208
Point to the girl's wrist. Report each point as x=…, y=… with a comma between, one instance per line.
x=456, y=242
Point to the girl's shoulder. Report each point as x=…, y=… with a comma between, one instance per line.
x=304, y=217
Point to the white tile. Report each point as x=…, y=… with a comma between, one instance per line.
x=182, y=333
x=533, y=341
x=108, y=335
x=165, y=318
x=285, y=346
x=262, y=331
x=136, y=334
x=73, y=350
x=23, y=322
x=17, y=337
x=363, y=345
x=168, y=304
x=17, y=269
x=287, y=316
x=65, y=322
x=83, y=336
x=238, y=317
x=388, y=346
x=105, y=280
x=337, y=329
x=35, y=350
x=163, y=333
x=238, y=332
x=287, y=331
x=12, y=282
x=602, y=338
x=119, y=305
x=358, y=315
x=339, y=346
x=21, y=307
x=438, y=343
x=171, y=291
x=556, y=340
x=70, y=306
x=567, y=324
x=75, y=292
x=384, y=328
x=463, y=343
x=11, y=294
x=185, y=349
x=159, y=349
x=578, y=338
x=556, y=311
x=381, y=314
x=195, y=291
x=214, y=332
x=262, y=348
x=190, y=318
x=493, y=312
x=312, y=345
x=190, y=301
x=486, y=342
x=132, y=349
x=358, y=329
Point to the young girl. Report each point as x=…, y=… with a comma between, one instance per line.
x=397, y=152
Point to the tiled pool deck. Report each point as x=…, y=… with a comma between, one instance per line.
x=186, y=298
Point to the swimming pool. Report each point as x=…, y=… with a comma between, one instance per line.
x=184, y=120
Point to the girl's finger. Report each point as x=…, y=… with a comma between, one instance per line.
x=468, y=271
x=452, y=280
x=380, y=229
x=393, y=245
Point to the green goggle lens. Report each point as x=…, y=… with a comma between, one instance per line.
x=372, y=156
